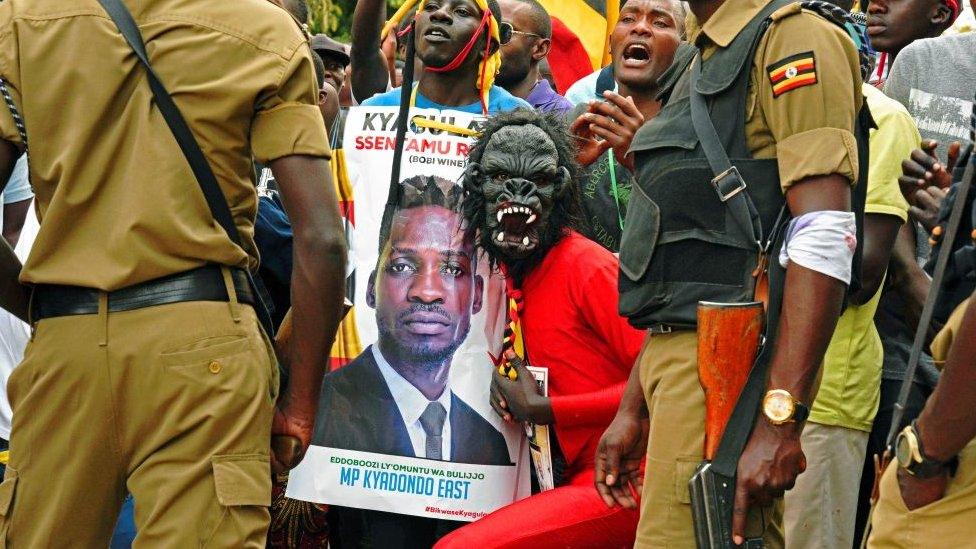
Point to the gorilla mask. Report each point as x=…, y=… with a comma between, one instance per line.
x=517, y=182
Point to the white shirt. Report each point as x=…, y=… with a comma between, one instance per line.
x=14, y=333
x=412, y=403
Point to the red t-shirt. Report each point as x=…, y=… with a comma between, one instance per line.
x=571, y=325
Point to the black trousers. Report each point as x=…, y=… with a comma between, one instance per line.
x=362, y=529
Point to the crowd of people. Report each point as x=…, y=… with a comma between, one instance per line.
x=802, y=155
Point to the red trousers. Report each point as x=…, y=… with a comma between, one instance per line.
x=571, y=516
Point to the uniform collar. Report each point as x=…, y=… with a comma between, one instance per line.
x=725, y=24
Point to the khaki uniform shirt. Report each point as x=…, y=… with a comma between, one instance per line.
x=117, y=201
x=809, y=129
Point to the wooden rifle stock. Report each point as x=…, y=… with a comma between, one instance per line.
x=729, y=336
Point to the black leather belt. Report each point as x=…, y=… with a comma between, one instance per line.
x=202, y=284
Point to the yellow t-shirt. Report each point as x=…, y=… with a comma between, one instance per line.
x=850, y=388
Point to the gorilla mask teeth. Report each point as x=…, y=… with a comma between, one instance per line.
x=525, y=241
x=499, y=216
x=530, y=220
x=500, y=237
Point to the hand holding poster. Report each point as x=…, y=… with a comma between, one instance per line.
x=406, y=426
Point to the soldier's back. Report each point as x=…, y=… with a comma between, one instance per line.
x=113, y=189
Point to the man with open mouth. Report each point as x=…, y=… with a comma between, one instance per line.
x=644, y=43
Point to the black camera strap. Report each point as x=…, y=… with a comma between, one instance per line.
x=215, y=198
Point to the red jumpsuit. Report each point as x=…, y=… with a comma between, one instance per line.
x=571, y=326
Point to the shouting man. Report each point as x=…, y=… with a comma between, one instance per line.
x=644, y=43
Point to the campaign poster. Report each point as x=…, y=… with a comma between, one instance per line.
x=406, y=426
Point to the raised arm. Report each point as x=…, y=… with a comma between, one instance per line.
x=369, y=74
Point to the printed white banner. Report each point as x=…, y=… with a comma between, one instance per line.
x=429, y=313
x=410, y=486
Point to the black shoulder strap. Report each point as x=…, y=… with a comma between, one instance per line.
x=174, y=119
x=184, y=137
x=746, y=409
x=728, y=182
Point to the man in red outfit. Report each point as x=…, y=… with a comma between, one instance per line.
x=522, y=201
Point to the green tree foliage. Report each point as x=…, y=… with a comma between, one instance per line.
x=334, y=17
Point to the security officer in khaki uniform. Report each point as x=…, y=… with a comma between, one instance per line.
x=148, y=371
x=928, y=493
x=783, y=88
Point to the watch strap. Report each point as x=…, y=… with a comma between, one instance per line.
x=800, y=411
x=928, y=467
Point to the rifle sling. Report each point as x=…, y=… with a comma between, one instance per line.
x=728, y=183
x=215, y=198
x=743, y=418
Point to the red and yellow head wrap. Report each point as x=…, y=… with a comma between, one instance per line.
x=489, y=66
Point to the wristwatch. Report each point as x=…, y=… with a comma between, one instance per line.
x=911, y=456
x=780, y=407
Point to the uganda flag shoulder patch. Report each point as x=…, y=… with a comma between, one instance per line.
x=793, y=72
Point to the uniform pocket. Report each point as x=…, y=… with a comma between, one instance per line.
x=242, y=485
x=639, y=236
x=206, y=350
x=7, y=490
x=899, y=499
x=242, y=480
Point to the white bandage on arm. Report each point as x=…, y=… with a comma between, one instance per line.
x=821, y=241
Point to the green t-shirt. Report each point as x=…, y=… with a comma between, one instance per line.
x=851, y=384
x=604, y=188
x=605, y=203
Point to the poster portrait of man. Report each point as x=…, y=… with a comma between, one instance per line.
x=395, y=398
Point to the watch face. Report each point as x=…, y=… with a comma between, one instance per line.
x=778, y=406
x=903, y=450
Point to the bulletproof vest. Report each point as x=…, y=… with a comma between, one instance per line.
x=680, y=243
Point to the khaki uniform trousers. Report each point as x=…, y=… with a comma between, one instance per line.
x=172, y=403
x=676, y=403
x=948, y=522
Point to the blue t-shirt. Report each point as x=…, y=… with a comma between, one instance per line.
x=499, y=100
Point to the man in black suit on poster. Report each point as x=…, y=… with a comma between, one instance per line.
x=395, y=397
